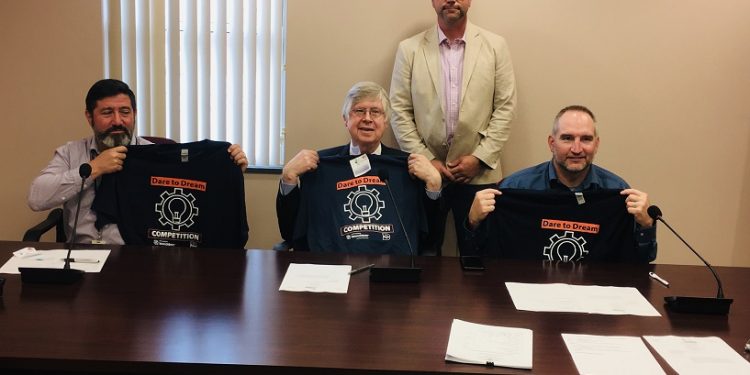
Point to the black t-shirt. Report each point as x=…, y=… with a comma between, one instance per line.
x=560, y=226
x=342, y=213
x=189, y=195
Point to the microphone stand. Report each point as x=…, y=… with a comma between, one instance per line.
x=396, y=274
x=65, y=275
x=699, y=305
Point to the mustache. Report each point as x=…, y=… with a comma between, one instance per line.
x=115, y=129
x=455, y=6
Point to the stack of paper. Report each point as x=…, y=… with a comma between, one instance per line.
x=591, y=299
x=489, y=345
x=319, y=278
x=699, y=355
x=611, y=355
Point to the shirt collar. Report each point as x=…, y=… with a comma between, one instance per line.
x=354, y=150
x=442, y=38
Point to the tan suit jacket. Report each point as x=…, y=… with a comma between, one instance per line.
x=488, y=96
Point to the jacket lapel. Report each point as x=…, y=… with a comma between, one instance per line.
x=431, y=54
x=471, y=53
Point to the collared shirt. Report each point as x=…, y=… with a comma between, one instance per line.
x=544, y=177
x=452, y=68
x=59, y=184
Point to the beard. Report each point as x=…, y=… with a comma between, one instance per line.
x=573, y=169
x=108, y=140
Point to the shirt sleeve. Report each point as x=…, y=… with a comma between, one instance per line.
x=57, y=183
x=646, y=245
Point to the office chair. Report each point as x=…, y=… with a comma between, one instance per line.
x=53, y=220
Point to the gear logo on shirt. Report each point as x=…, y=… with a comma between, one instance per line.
x=176, y=209
x=566, y=248
x=364, y=204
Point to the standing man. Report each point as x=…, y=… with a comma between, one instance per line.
x=110, y=112
x=453, y=96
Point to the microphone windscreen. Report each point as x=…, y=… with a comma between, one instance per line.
x=654, y=212
x=383, y=175
x=84, y=170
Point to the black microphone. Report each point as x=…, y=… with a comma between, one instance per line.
x=396, y=274
x=701, y=305
x=65, y=275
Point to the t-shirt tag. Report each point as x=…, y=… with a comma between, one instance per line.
x=579, y=197
x=184, y=153
x=360, y=165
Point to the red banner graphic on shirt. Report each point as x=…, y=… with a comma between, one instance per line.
x=364, y=180
x=178, y=182
x=570, y=225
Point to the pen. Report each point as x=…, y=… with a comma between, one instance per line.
x=361, y=269
x=82, y=260
x=659, y=279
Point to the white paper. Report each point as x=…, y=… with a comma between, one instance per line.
x=591, y=299
x=699, y=355
x=478, y=344
x=611, y=355
x=317, y=278
x=94, y=260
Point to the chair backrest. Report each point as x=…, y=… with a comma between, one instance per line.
x=53, y=220
x=159, y=140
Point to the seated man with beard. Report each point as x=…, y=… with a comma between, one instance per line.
x=111, y=112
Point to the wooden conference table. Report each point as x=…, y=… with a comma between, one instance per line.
x=210, y=311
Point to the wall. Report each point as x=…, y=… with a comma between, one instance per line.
x=667, y=79
x=51, y=53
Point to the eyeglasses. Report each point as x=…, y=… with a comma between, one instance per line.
x=375, y=113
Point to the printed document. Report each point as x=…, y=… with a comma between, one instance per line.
x=489, y=345
x=610, y=355
x=699, y=355
x=85, y=260
x=318, y=278
x=591, y=299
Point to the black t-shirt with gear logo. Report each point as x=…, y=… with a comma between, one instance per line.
x=342, y=213
x=560, y=226
x=189, y=195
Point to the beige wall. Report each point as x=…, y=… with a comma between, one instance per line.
x=668, y=81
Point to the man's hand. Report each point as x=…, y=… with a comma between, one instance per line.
x=108, y=161
x=465, y=168
x=424, y=170
x=637, y=204
x=238, y=156
x=305, y=161
x=442, y=169
x=483, y=204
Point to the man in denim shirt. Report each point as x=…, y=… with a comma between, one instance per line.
x=573, y=143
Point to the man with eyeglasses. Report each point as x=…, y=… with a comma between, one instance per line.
x=335, y=199
x=453, y=95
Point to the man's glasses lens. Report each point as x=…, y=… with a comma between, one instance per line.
x=362, y=112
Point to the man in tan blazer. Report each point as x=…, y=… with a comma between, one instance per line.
x=453, y=96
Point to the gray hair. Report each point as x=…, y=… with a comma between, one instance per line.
x=366, y=90
x=571, y=108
